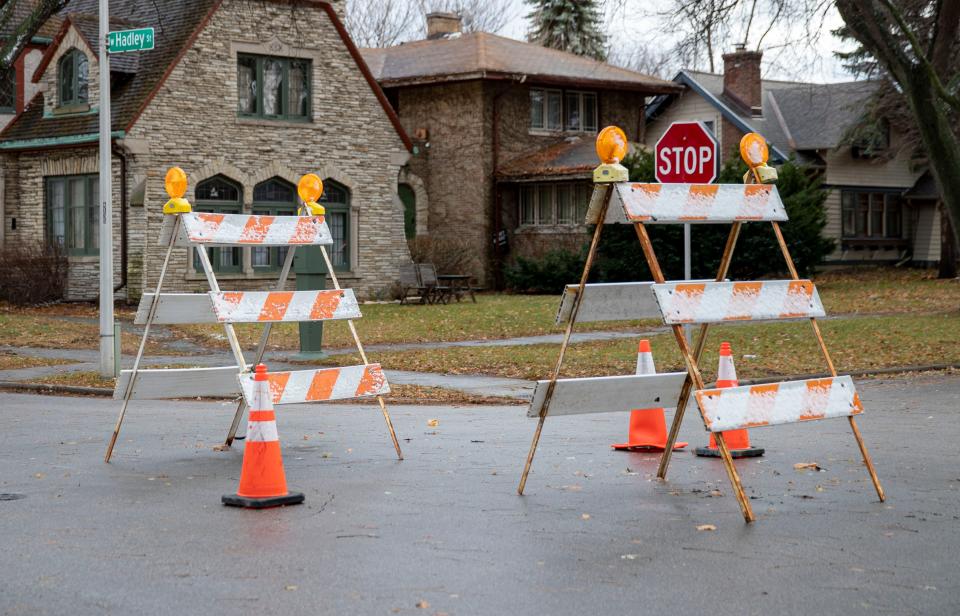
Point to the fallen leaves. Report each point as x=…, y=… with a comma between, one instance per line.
x=433, y=423
x=706, y=527
x=800, y=466
x=423, y=604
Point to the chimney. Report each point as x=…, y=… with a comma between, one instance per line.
x=741, y=78
x=442, y=25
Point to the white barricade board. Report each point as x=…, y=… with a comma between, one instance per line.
x=248, y=230
x=689, y=203
x=614, y=301
x=268, y=306
x=299, y=386
x=752, y=406
x=715, y=302
x=176, y=308
x=168, y=383
x=607, y=394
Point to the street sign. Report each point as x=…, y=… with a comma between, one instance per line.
x=687, y=154
x=140, y=39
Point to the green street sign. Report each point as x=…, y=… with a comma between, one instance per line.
x=130, y=40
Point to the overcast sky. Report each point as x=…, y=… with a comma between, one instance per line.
x=799, y=62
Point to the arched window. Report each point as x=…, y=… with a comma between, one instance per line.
x=409, y=199
x=336, y=200
x=274, y=197
x=72, y=74
x=222, y=196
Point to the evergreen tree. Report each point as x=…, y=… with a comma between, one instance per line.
x=568, y=25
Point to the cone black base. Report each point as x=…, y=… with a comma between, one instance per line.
x=234, y=500
x=752, y=452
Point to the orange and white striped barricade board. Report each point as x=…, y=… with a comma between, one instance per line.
x=690, y=203
x=608, y=394
x=321, y=385
x=716, y=302
x=250, y=307
x=753, y=406
x=247, y=230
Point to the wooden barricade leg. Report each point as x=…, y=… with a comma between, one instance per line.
x=261, y=348
x=833, y=371
x=363, y=355
x=566, y=337
x=693, y=373
x=697, y=353
x=143, y=341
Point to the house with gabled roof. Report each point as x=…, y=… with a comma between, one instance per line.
x=503, y=133
x=245, y=96
x=880, y=206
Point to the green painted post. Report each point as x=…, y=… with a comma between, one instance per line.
x=311, y=270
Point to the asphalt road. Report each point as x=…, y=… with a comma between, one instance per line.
x=445, y=529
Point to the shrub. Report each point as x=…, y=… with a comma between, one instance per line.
x=450, y=255
x=547, y=274
x=32, y=274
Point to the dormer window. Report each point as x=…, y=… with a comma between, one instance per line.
x=8, y=90
x=72, y=73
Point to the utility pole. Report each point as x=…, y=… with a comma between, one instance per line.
x=106, y=206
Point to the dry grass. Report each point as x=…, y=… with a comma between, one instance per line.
x=13, y=361
x=761, y=350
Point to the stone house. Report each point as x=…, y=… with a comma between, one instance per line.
x=246, y=96
x=880, y=208
x=503, y=135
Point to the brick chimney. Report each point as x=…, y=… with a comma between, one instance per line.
x=741, y=78
x=442, y=25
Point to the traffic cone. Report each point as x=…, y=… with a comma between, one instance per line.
x=648, y=427
x=262, y=481
x=738, y=441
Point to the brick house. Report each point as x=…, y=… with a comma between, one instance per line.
x=504, y=135
x=879, y=209
x=246, y=96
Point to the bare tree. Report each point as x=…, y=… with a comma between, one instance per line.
x=644, y=58
x=38, y=12
x=477, y=15
x=382, y=23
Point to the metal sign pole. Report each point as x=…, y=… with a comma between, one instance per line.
x=106, y=206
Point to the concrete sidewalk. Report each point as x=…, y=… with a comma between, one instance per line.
x=595, y=534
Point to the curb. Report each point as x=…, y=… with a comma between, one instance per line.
x=108, y=393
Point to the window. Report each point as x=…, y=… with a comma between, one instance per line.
x=871, y=215
x=222, y=196
x=72, y=76
x=336, y=200
x=8, y=90
x=563, y=110
x=73, y=213
x=273, y=88
x=554, y=204
x=275, y=197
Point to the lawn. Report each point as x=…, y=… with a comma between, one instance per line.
x=14, y=361
x=760, y=350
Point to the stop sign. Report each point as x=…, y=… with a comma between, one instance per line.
x=686, y=153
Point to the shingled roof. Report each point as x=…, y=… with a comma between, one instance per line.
x=176, y=25
x=797, y=116
x=480, y=55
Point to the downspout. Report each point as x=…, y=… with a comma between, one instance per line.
x=123, y=219
x=497, y=213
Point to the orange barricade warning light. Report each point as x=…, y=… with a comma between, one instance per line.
x=310, y=188
x=611, y=145
x=611, y=148
x=754, y=152
x=176, y=184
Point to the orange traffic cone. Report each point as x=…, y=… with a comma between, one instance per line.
x=648, y=427
x=262, y=481
x=738, y=441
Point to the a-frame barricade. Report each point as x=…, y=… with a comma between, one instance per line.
x=695, y=302
x=182, y=227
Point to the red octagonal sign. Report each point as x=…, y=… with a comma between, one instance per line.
x=686, y=154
